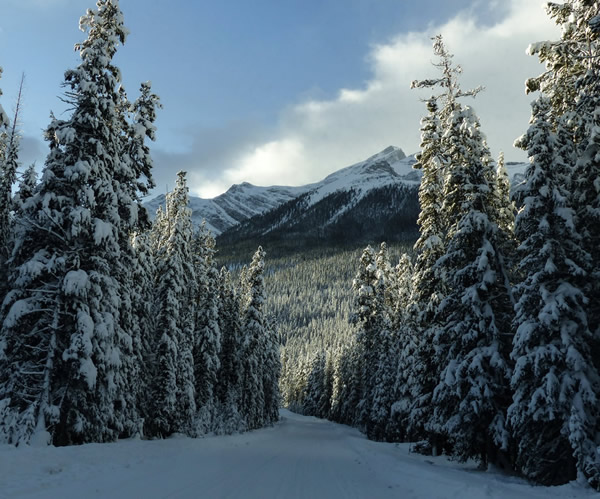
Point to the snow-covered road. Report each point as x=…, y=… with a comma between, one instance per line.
x=301, y=457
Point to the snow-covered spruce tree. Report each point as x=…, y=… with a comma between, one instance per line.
x=67, y=375
x=228, y=388
x=586, y=201
x=388, y=274
x=272, y=373
x=294, y=377
x=586, y=185
x=143, y=289
x=337, y=383
x=324, y=403
x=568, y=61
x=252, y=404
x=347, y=384
x=132, y=179
x=505, y=208
x=9, y=152
x=315, y=386
x=384, y=396
x=173, y=406
x=502, y=212
x=571, y=83
x=286, y=380
x=372, y=327
x=427, y=285
x=554, y=414
x=472, y=391
x=388, y=349
x=429, y=282
x=207, y=334
x=406, y=340
x=26, y=188
x=403, y=279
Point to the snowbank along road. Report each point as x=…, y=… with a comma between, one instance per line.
x=301, y=457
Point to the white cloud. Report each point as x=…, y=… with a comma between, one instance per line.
x=317, y=137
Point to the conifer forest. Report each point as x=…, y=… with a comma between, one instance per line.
x=480, y=340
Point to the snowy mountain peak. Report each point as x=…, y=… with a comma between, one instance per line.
x=388, y=169
x=374, y=199
x=236, y=188
x=389, y=166
x=391, y=154
x=381, y=168
x=245, y=200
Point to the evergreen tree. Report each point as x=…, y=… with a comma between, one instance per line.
x=387, y=348
x=132, y=179
x=586, y=187
x=207, y=334
x=568, y=61
x=388, y=276
x=429, y=281
x=405, y=339
x=228, y=388
x=427, y=285
x=272, y=373
x=472, y=393
x=325, y=401
x=25, y=190
x=315, y=387
x=142, y=296
x=173, y=393
x=505, y=208
x=380, y=427
x=502, y=211
x=372, y=327
x=253, y=347
x=347, y=390
x=9, y=151
x=554, y=414
x=66, y=374
x=403, y=292
x=570, y=84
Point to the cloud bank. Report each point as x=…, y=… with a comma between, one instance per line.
x=316, y=137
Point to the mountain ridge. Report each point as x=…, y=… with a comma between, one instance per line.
x=244, y=200
x=374, y=199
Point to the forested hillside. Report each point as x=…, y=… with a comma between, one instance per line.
x=309, y=294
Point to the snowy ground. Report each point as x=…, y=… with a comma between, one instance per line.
x=301, y=457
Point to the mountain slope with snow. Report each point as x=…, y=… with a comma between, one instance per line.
x=238, y=203
x=244, y=201
x=390, y=166
x=374, y=199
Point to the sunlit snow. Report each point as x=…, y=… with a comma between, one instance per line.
x=301, y=457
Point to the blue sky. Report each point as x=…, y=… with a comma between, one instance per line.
x=276, y=91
